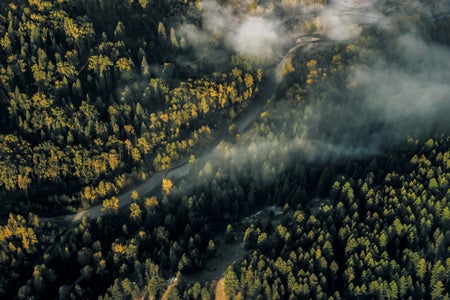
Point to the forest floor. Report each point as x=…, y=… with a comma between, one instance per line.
x=215, y=267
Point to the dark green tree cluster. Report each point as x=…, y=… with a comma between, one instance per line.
x=368, y=240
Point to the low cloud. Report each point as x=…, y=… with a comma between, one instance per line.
x=256, y=36
x=384, y=99
x=411, y=93
x=240, y=32
x=341, y=20
x=390, y=101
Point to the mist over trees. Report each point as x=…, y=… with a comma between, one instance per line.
x=309, y=137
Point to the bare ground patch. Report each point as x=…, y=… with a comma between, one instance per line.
x=226, y=254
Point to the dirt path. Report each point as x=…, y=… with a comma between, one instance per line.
x=219, y=293
x=125, y=198
x=169, y=287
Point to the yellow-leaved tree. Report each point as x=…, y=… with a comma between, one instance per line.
x=111, y=205
x=167, y=185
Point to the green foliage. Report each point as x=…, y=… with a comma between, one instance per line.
x=229, y=234
x=335, y=251
x=231, y=283
x=95, y=94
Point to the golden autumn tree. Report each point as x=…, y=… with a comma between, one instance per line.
x=111, y=205
x=135, y=195
x=135, y=211
x=167, y=186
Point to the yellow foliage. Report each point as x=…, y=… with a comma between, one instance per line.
x=113, y=159
x=151, y=202
x=350, y=48
x=40, y=100
x=5, y=233
x=264, y=115
x=287, y=68
x=164, y=117
x=337, y=59
x=311, y=64
x=248, y=80
x=23, y=181
x=41, y=4
x=111, y=205
x=99, y=63
x=124, y=64
x=313, y=74
x=5, y=42
x=134, y=195
x=118, y=248
x=135, y=211
x=66, y=69
x=167, y=185
x=318, y=253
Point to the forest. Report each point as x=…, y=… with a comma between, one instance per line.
x=187, y=149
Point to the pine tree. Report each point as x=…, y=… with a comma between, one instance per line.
x=231, y=283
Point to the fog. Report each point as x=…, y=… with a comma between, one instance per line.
x=262, y=32
x=256, y=37
x=253, y=35
x=341, y=20
x=383, y=100
x=415, y=95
